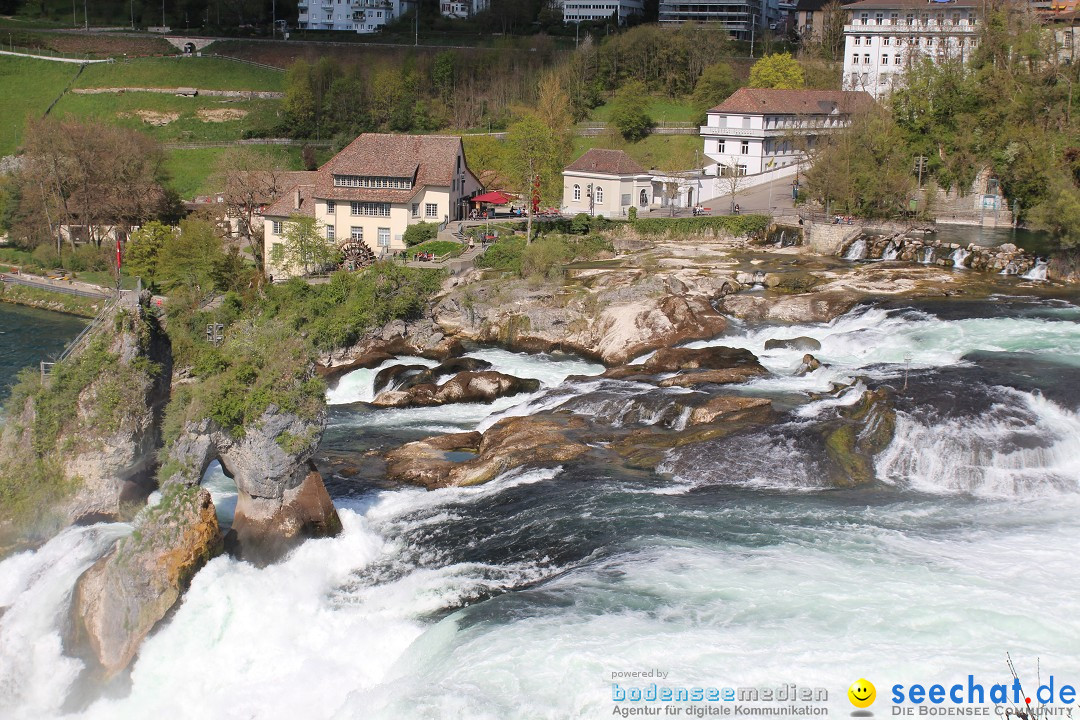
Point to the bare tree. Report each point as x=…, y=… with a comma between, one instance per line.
x=249, y=180
x=732, y=178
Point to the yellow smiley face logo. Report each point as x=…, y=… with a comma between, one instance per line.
x=862, y=693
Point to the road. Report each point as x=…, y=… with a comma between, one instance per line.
x=773, y=198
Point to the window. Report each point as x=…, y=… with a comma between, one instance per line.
x=896, y=59
x=894, y=18
x=866, y=59
x=886, y=40
x=720, y=145
x=276, y=225
x=745, y=149
x=599, y=194
x=858, y=40
x=910, y=19
x=372, y=182
x=884, y=59
x=879, y=18
x=740, y=169
x=384, y=237
x=331, y=206
x=577, y=193
x=416, y=209
x=929, y=42
x=330, y=233
x=625, y=199
x=431, y=210
x=370, y=208
x=864, y=18
x=356, y=233
x=855, y=59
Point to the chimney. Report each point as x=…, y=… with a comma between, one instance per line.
x=296, y=198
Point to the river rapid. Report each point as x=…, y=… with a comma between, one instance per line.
x=734, y=565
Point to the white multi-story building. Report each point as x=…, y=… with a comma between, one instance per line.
x=462, y=9
x=884, y=37
x=757, y=131
x=361, y=16
x=575, y=11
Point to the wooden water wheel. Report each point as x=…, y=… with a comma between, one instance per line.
x=357, y=254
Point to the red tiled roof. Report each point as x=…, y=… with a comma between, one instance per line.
x=606, y=162
x=426, y=159
x=792, y=102
x=285, y=205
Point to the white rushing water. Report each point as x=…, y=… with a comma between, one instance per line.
x=962, y=554
x=857, y=250
x=35, y=595
x=959, y=257
x=891, y=251
x=1037, y=272
x=882, y=343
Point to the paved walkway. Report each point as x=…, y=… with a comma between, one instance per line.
x=773, y=198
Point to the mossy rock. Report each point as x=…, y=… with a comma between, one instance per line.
x=864, y=430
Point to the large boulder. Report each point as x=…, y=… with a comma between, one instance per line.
x=675, y=359
x=124, y=594
x=730, y=408
x=812, y=307
x=281, y=500
x=803, y=343
x=465, y=387
x=511, y=443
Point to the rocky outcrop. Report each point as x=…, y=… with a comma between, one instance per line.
x=808, y=365
x=422, y=338
x=402, y=377
x=812, y=307
x=731, y=408
x=530, y=441
x=862, y=431
x=124, y=594
x=92, y=426
x=465, y=387
x=281, y=499
x=694, y=366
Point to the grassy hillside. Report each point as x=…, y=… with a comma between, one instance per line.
x=169, y=118
x=200, y=72
x=191, y=171
x=27, y=87
x=660, y=109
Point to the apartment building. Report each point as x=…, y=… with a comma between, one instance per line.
x=360, y=16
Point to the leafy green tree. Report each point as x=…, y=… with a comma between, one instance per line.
x=1059, y=213
x=716, y=83
x=144, y=251
x=780, y=71
x=442, y=74
x=629, y=114
x=305, y=245
x=535, y=153
x=300, y=99
x=187, y=257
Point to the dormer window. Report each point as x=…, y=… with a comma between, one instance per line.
x=364, y=181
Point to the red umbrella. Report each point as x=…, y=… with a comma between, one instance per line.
x=495, y=198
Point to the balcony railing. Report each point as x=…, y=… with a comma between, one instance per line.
x=903, y=27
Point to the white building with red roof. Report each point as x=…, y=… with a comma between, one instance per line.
x=369, y=193
x=766, y=133
x=605, y=183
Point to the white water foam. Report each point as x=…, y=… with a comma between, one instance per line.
x=882, y=343
x=1024, y=446
x=359, y=385
x=35, y=595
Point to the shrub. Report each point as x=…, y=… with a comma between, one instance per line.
x=420, y=232
x=737, y=225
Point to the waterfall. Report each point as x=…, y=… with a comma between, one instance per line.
x=959, y=256
x=1038, y=272
x=891, y=251
x=857, y=250
x=1009, y=269
x=780, y=242
x=927, y=255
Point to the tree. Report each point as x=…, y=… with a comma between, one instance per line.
x=732, y=177
x=535, y=161
x=91, y=175
x=419, y=233
x=187, y=257
x=144, y=250
x=780, y=71
x=305, y=245
x=716, y=83
x=828, y=42
x=249, y=180
x=628, y=112
x=553, y=107
x=1059, y=213
x=299, y=99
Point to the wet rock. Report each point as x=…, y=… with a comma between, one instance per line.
x=730, y=376
x=367, y=360
x=813, y=307
x=396, y=375
x=465, y=387
x=124, y=594
x=808, y=365
x=862, y=431
x=734, y=408
x=802, y=342
x=530, y=441
x=709, y=358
